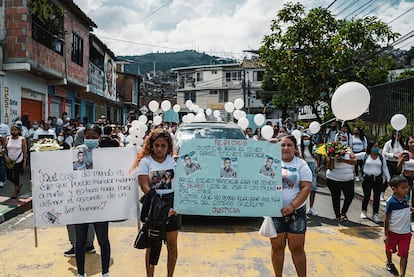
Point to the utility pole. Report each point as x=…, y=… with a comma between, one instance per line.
x=248, y=93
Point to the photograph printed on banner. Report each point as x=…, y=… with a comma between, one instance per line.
x=191, y=164
x=161, y=179
x=229, y=169
x=268, y=168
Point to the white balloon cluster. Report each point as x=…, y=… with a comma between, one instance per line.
x=137, y=132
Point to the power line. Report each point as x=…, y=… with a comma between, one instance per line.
x=364, y=7
x=401, y=15
x=347, y=7
x=156, y=10
x=333, y=2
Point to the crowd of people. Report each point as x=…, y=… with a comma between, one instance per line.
x=389, y=168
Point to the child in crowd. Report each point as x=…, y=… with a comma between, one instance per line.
x=397, y=229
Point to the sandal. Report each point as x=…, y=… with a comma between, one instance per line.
x=344, y=217
x=339, y=219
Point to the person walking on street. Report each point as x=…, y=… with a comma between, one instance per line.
x=359, y=145
x=156, y=159
x=406, y=165
x=397, y=230
x=391, y=151
x=291, y=226
x=16, y=158
x=375, y=168
x=341, y=179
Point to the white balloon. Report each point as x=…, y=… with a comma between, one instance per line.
x=243, y=123
x=238, y=103
x=143, y=127
x=200, y=117
x=139, y=141
x=243, y=114
x=297, y=134
x=141, y=132
x=267, y=132
x=219, y=119
x=133, y=131
x=142, y=119
x=190, y=117
x=200, y=110
x=135, y=123
x=350, y=100
x=132, y=139
x=237, y=114
x=209, y=111
x=185, y=119
x=216, y=113
x=157, y=120
x=153, y=106
x=259, y=119
x=165, y=105
x=229, y=107
x=176, y=108
x=398, y=121
x=188, y=103
x=314, y=127
x=195, y=108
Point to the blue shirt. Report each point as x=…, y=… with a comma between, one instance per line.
x=400, y=215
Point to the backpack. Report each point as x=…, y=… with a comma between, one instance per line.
x=366, y=157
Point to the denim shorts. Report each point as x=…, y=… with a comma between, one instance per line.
x=294, y=223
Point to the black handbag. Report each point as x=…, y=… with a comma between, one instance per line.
x=142, y=240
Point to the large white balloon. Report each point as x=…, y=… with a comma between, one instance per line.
x=165, y=105
x=142, y=119
x=209, y=111
x=243, y=123
x=176, y=108
x=350, y=100
x=238, y=103
x=153, y=106
x=398, y=121
x=259, y=119
x=157, y=120
x=135, y=123
x=297, y=134
x=314, y=127
x=188, y=103
x=237, y=114
x=229, y=107
x=267, y=132
x=216, y=113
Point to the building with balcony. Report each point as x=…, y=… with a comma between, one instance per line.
x=211, y=86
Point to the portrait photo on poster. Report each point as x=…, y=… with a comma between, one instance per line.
x=229, y=168
x=268, y=167
x=191, y=164
x=161, y=179
x=82, y=158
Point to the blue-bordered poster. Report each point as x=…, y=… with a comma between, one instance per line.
x=224, y=177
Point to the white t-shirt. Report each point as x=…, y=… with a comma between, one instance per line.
x=342, y=171
x=160, y=175
x=293, y=173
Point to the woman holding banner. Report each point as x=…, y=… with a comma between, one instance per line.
x=156, y=159
x=92, y=135
x=291, y=226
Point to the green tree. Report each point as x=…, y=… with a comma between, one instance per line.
x=307, y=56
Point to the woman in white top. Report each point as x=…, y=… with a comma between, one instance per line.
x=16, y=151
x=406, y=164
x=359, y=145
x=306, y=150
x=156, y=160
x=375, y=168
x=341, y=179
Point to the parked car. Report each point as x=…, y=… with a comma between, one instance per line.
x=207, y=130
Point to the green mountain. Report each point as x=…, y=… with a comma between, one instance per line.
x=165, y=61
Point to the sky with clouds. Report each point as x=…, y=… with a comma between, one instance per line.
x=217, y=27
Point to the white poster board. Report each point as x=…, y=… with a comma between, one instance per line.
x=104, y=191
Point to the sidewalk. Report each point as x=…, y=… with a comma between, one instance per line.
x=10, y=208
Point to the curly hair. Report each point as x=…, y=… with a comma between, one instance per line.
x=147, y=147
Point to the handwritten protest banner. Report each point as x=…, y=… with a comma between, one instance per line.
x=223, y=177
x=79, y=186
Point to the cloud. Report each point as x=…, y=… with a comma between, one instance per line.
x=223, y=28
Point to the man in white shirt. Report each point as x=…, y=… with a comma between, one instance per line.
x=44, y=132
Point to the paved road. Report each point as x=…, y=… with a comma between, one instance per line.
x=207, y=247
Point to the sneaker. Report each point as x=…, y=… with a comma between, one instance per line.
x=90, y=249
x=1, y=184
x=364, y=215
x=70, y=252
x=312, y=212
x=382, y=198
x=357, y=179
x=376, y=219
x=391, y=268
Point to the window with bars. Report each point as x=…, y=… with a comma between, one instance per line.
x=77, y=49
x=223, y=96
x=190, y=95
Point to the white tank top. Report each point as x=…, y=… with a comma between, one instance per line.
x=14, y=149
